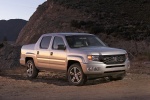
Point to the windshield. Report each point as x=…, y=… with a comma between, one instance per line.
x=78, y=41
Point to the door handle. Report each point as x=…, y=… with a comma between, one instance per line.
x=51, y=53
x=37, y=52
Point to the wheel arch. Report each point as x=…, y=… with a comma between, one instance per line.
x=28, y=58
x=74, y=59
x=71, y=62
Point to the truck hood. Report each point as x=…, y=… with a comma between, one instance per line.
x=102, y=50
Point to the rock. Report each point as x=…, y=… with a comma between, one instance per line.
x=9, y=56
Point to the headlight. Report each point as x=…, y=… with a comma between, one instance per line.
x=126, y=55
x=93, y=57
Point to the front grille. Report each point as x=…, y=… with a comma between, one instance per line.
x=114, y=59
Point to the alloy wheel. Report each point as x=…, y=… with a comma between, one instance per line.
x=75, y=75
x=30, y=69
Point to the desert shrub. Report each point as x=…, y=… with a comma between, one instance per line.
x=1, y=45
x=86, y=24
x=144, y=1
x=146, y=55
x=95, y=29
x=89, y=24
x=42, y=8
x=109, y=30
x=82, y=23
x=75, y=23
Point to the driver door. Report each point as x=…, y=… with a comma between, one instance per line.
x=58, y=57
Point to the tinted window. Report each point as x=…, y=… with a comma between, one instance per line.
x=77, y=41
x=57, y=41
x=45, y=42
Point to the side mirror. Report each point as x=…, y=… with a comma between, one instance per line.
x=61, y=47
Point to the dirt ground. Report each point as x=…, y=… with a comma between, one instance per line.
x=53, y=86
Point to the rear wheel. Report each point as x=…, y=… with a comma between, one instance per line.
x=32, y=71
x=76, y=75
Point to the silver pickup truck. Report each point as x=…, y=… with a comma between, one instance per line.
x=82, y=56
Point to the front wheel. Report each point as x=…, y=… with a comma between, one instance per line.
x=76, y=75
x=32, y=71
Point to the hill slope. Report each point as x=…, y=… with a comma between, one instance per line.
x=125, y=19
x=120, y=23
x=9, y=29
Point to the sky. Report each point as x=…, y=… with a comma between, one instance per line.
x=18, y=9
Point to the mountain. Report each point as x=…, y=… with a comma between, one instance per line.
x=124, y=19
x=9, y=29
x=119, y=23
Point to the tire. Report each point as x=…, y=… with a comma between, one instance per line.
x=32, y=71
x=76, y=76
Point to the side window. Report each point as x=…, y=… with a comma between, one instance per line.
x=45, y=42
x=57, y=41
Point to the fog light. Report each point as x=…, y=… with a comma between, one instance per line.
x=96, y=68
x=90, y=68
x=93, y=68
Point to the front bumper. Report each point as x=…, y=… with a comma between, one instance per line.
x=99, y=68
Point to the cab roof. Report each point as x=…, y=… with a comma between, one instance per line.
x=65, y=34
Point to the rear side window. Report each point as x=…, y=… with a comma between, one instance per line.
x=45, y=42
